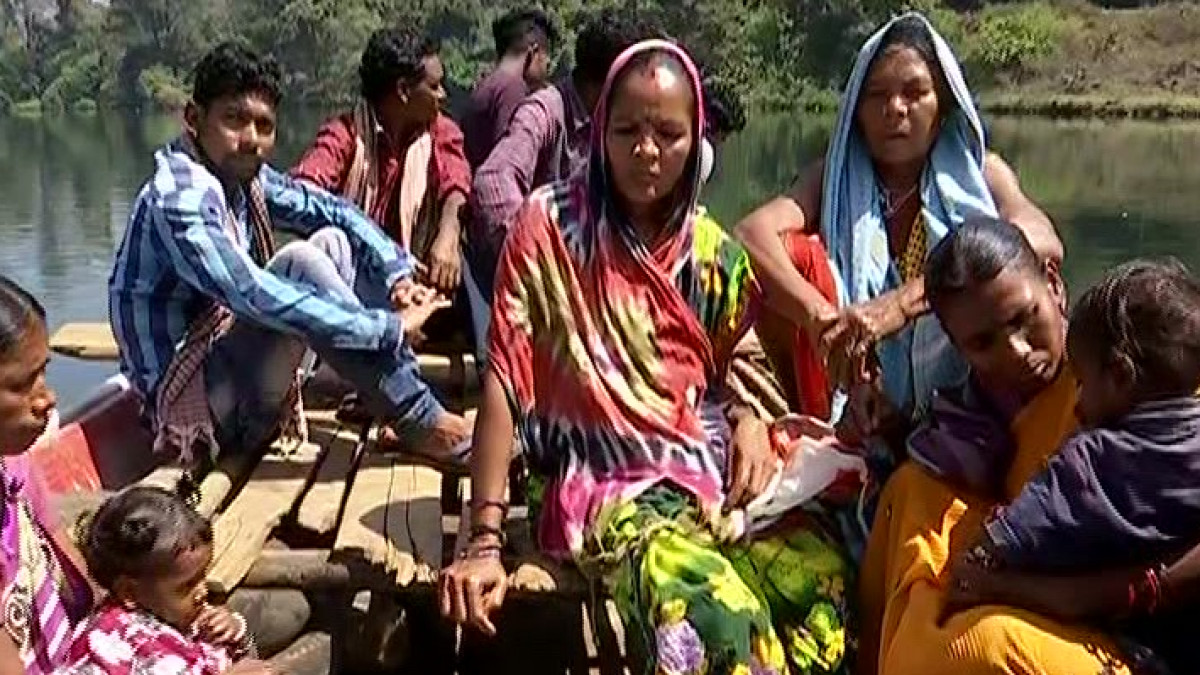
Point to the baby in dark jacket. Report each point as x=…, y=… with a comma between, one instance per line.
x=1126, y=487
x=1123, y=492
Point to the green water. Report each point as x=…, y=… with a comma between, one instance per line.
x=1115, y=191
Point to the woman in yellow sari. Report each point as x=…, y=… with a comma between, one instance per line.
x=1005, y=312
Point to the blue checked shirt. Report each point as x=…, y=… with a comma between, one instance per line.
x=177, y=254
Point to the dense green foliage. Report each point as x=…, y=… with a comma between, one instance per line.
x=780, y=53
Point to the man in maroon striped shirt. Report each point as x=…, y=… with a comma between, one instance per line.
x=397, y=129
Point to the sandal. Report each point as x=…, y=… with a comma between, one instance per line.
x=456, y=463
x=389, y=442
x=408, y=446
x=352, y=410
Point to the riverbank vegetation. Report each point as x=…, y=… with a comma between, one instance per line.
x=1060, y=56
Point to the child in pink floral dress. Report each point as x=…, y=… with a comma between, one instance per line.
x=151, y=551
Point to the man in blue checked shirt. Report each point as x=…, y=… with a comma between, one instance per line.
x=212, y=322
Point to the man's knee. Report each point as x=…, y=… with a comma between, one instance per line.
x=307, y=262
x=331, y=241
x=295, y=257
x=334, y=243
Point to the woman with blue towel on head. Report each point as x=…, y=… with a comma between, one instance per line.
x=840, y=255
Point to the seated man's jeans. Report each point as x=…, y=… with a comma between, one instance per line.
x=251, y=368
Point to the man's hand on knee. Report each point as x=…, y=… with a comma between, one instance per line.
x=407, y=293
x=414, y=316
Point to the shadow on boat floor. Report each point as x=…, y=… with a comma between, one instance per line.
x=537, y=636
x=547, y=634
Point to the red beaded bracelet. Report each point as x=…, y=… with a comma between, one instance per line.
x=1146, y=592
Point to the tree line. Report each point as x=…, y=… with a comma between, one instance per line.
x=58, y=55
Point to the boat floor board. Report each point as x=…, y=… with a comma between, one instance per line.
x=536, y=573
x=393, y=519
x=243, y=528
x=317, y=510
x=165, y=477
x=94, y=341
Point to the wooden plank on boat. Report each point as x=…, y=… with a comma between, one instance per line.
x=241, y=530
x=394, y=519
x=230, y=472
x=214, y=488
x=536, y=573
x=453, y=377
x=93, y=340
x=90, y=340
x=318, y=510
x=304, y=569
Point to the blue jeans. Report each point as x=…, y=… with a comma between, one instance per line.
x=250, y=369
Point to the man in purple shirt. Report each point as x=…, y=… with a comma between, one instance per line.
x=546, y=139
x=524, y=39
x=548, y=134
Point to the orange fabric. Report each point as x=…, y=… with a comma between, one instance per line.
x=920, y=525
x=812, y=382
x=1039, y=430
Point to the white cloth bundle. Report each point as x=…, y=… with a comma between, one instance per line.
x=812, y=460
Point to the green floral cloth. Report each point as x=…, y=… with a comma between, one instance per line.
x=770, y=606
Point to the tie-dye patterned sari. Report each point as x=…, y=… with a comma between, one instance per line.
x=612, y=354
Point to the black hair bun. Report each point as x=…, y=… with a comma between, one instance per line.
x=139, y=532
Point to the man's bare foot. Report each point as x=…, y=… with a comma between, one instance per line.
x=445, y=445
x=446, y=435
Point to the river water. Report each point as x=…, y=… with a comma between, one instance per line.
x=1115, y=190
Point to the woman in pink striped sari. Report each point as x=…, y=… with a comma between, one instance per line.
x=42, y=591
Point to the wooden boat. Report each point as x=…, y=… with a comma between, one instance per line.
x=338, y=524
x=322, y=517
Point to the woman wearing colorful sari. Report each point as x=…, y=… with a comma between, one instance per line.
x=615, y=314
x=840, y=256
x=1005, y=311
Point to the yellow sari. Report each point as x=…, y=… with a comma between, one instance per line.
x=920, y=525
